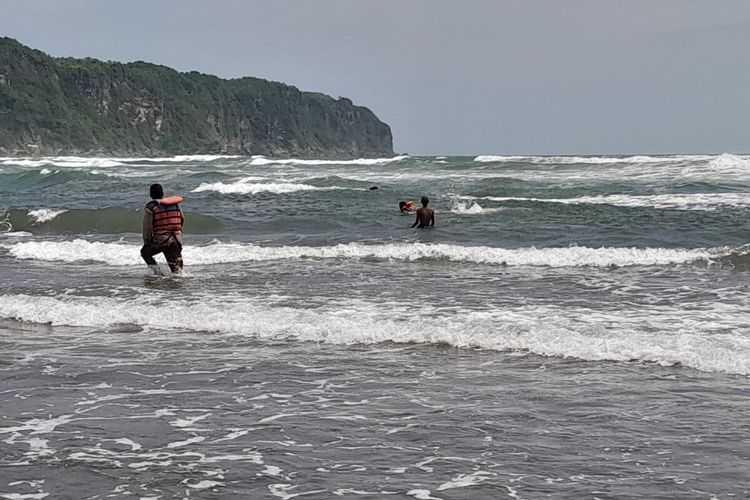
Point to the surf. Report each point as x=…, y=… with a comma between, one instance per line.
x=216, y=253
x=621, y=334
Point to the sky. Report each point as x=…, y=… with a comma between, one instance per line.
x=453, y=77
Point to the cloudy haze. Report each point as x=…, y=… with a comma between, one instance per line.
x=502, y=76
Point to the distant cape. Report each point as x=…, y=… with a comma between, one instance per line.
x=54, y=106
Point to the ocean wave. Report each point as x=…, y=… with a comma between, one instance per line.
x=470, y=208
x=245, y=187
x=184, y=158
x=262, y=160
x=127, y=254
x=63, y=162
x=730, y=161
x=591, y=160
x=109, y=220
x=106, y=162
x=43, y=215
x=666, y=335
x=13, y=234
x=686, y=201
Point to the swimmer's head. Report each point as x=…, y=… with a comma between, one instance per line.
x=425, y=200
x=401, y=204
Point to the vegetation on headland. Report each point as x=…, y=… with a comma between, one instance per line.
x=52, y=106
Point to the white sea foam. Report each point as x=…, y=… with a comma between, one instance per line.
x=591, y=160
x=24, y=496
x=726, y=167
x=42, y=215
x=203, y=485
x=126, y=254
x=686, y=201
x=187, y=158
x=243, y=186
x=262, y=160
x=63, y=162
x=464, y=480
x=470, y=208
x=106, y=162
x=462, y=208
x=730, y=161
x=712, y=338
x=13, y=234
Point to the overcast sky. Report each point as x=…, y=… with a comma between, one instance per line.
x=448, y=76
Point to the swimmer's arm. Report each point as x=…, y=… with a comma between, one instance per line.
x=432, y=219
x=416, y=221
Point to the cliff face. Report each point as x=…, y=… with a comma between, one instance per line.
x=85, y=106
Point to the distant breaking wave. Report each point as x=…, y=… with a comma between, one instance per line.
x=244, y=187
x=688, y=201
x=262, y=160
x=127, y=254
x=62, y=162
x=594, y=160
x=105, y=162
x=622, y=334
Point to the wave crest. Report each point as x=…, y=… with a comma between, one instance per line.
x=622, y=334
x=591, y=160
x=245, y=187
x=262, y=160
x=686, y=201
x=125, y=254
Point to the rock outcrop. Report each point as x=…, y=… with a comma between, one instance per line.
x=54, y=106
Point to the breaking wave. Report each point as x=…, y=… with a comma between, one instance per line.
x=262, y=160
x=42, y=215
x=470, y=208
x=688, y=335
x=593, y=160
x=94, y=162
x=63, y=162
x=127, y=254
x=691, y=201
x=245, y=187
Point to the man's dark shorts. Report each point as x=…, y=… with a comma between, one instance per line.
x=172, y=250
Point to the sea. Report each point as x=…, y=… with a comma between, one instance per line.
x=574, y=327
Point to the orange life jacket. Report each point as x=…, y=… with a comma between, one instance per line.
x=167, y=218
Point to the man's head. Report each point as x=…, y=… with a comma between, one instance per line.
x=401, y=204
x=156, y=192
x=425, y=201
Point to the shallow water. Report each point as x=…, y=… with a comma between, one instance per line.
x=574, y=327
x=128, y=414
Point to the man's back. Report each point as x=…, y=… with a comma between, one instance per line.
x=425, y=217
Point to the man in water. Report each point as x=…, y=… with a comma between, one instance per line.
x=162, y=230
x=425, y=216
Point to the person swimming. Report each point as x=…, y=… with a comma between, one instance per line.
x=407, y=207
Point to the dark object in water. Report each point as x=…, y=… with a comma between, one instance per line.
x=373, y=188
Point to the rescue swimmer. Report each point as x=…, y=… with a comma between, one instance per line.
x=162, y=230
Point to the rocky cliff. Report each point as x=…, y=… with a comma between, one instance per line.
x=55, y=106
